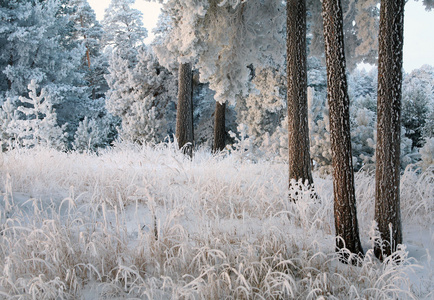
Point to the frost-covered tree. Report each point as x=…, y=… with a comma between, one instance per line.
x=263, y=110
x=36, y=50
x=139, y=88
x=345, y=211
x=92, y=134
x=8, y=115
x=363, y=136
x=415, y=112
x=417, y=103
x=88, y=32
x=143, y=98
x=387, y=177
x=427, y=154
x=222, y=40
x=35, y=47
x=319, y=132
x=123, y=29
x=38, y=126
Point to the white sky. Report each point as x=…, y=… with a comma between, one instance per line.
x=418, y=29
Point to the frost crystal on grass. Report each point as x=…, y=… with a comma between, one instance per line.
x=136, y=221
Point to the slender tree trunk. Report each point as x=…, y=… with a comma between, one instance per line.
x=184, y=113
x=345, y=212
x=87, y=47
x=387, y=200
x=219, y=127
x=11, y=63
x=298, y=129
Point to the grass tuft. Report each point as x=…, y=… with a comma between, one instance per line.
x=145, y=222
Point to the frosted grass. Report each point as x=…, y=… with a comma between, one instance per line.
x=148, y=223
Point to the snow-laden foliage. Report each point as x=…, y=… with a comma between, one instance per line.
x=88, y=32
x=366, y=21
x=360, y=26
x=223, y=39
x=363, y=137
x=141, y=92
x=319, y=132
x=56, y=43
x=8, y=115
x=265, y=106
x=418, y=104
x=427, y=154
x=35, y=47
x=123, y=28
x=264, y=132
x=144, y=222
x=93, y=133
x=37, y=122
x=143, y=97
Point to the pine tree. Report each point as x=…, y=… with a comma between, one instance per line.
x=417, y=103
x=319, y=132
x=91, y=134
x=140, y=90
x=345, y=211
x=8, y=116
x=39, y=124
x=360, y=27
x=36, y=48
x=263, y=110
x=184, y=112
x=88, y=32
x=298, y=130
x=222, y=40
x=123, y=29
x=387, y=177
x=143, y=97
x=219, y=127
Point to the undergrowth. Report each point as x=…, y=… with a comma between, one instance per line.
x=148, y=223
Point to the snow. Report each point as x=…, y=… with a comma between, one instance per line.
x=146, y=222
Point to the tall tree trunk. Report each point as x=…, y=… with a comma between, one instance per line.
x=184, y=113
x=10, y=63
x=387, y=201
x=345, y=212
x=219, y=127
x=298, y=129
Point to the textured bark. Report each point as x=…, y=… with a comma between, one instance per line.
x=337, y=92
x=184, y=113
x=219, y=127
x=387, y=200
x=298, y=130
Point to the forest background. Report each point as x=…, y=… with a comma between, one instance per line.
x=68, y=87
x=125, y=214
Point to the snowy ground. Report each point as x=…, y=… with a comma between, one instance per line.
x=147, y=223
